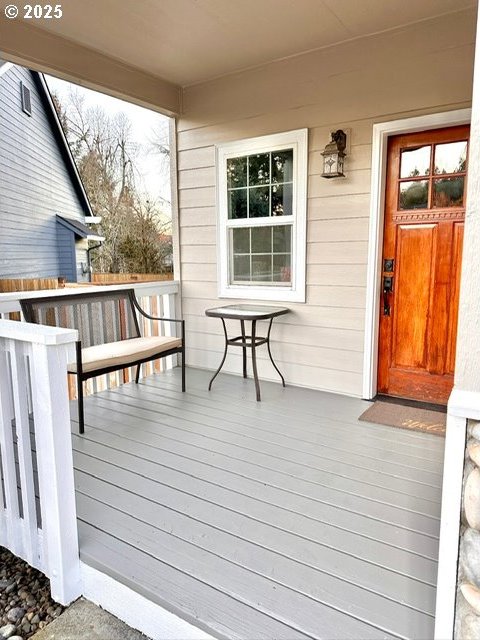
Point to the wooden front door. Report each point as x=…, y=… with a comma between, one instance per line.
x=422, y=251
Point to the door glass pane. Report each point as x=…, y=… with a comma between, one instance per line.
x=282, y=198
x=414, y=194
x=259, y=202
x=237, y=203
x=259, y=169
x=415, y=162
x=262, y=240
x=237, y=172
x=448, y=192
x=282, y=166
x=451, y=157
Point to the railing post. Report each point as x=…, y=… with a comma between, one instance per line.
x=55, y=467
x=9, y=535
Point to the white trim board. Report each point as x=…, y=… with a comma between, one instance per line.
x=5, y=66
x=381, y=133
x=136, y=610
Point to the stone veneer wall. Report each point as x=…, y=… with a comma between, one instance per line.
x=467, y=617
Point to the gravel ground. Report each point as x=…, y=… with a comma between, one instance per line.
x=25, y=601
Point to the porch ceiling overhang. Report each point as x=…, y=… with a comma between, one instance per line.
x=150, y=50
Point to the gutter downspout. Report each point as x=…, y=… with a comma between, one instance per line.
x=89, y=261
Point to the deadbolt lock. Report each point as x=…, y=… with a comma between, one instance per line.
x=388, y=265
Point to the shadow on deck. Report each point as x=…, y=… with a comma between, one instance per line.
x=283, y=519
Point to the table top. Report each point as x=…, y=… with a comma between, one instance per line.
x=247, y=311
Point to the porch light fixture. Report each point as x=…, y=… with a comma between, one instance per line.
x=334, y=155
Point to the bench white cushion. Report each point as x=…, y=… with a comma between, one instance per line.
x=123, y=352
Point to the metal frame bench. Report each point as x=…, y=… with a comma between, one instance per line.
x=109, y=333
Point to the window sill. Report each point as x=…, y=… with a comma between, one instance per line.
x=274, y=294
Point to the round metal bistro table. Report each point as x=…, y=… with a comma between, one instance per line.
x=244, y=313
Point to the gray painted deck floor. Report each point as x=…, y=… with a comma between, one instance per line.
x=284, y=519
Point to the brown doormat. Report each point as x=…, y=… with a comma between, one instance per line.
x=404, y=417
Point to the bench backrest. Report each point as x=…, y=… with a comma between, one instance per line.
x=99, y=317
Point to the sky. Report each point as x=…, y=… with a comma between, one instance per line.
x=153, y=178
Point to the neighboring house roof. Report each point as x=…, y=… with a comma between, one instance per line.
x=62, y=142
x=79, y=229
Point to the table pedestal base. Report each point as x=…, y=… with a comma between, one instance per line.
x=247, y=342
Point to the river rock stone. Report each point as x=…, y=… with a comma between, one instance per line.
x=7, y=631
x=467, y=626
x=471, y=593
x=474, y=429
x=470, y=556
x=28, y=598
x=15, y=614
x=472, y=499
x=474, y=452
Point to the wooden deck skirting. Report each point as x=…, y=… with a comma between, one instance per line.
x=283, y=519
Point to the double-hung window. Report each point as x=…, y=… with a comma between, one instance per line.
x=262, y=191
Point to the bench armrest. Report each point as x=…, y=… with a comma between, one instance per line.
x=147, y=315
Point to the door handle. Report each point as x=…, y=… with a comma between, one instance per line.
x=387, y=290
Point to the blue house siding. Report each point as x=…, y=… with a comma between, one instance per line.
x=66, y=253
x=35, y=186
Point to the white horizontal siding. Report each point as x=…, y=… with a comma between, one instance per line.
x=352, y=87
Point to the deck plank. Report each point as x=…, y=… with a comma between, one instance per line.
x=279, y=603
x=227, y=509
x=410, y=454
x=381, y=501
x=219, y=424
x=262, y=549
x=299, y=520
x=240, y=489
x=177, y=591
x=317, y=426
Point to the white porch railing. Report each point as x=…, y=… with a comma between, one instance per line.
x=37, y=494
x=37, y=510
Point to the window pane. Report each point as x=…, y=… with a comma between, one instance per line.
x=261, y=254
x=451, y=157
x=241, y=240
x=237, y=172
x=282, y=198
x=262, y=268
x=259, y=202
x=237, y=203
x=259, y=169
x=415, y=162
x=414, y=195
x=448, y=192
x=281, y=268
x=241, y=268
x=282, y=166
x=262, y=240
x=282, y=239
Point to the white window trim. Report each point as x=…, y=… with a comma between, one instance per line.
x=298, y=140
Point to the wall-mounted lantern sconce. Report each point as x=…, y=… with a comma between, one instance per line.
x=334, y=155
